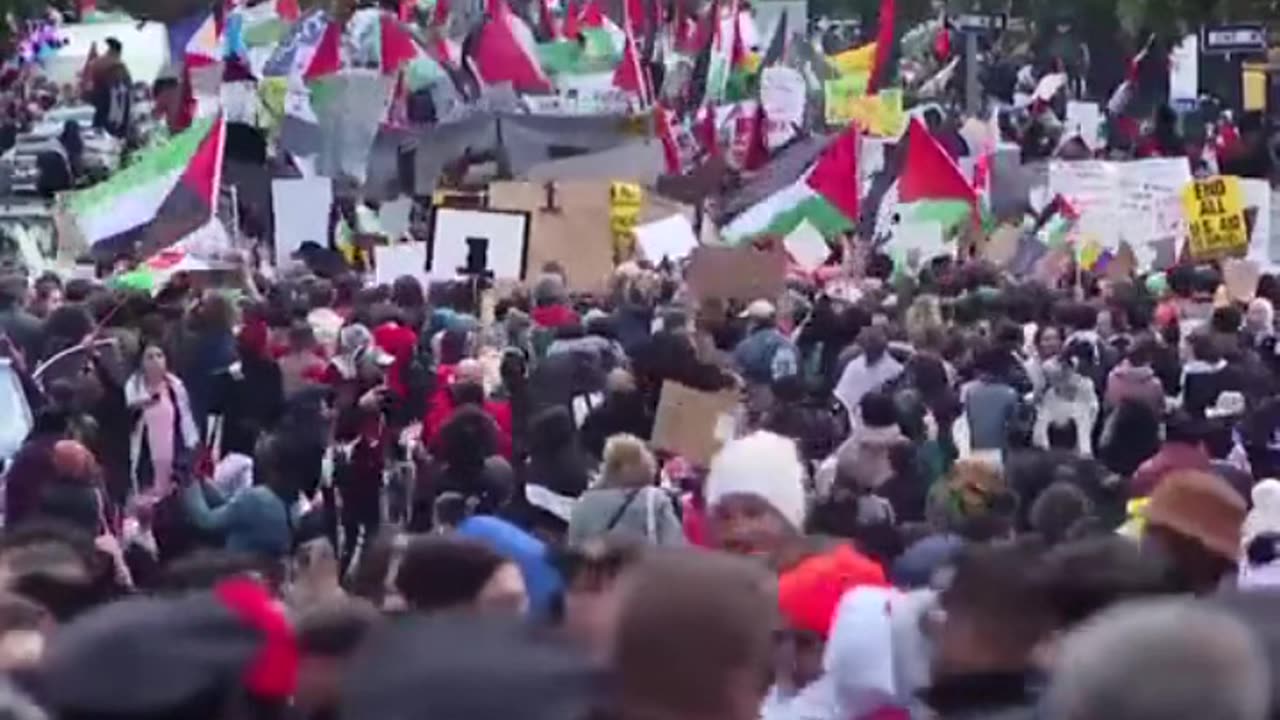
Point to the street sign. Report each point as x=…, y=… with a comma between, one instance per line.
x=981, y=22
x=1235, y=38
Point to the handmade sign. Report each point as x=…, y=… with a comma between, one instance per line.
x=692, y=423
x=1241, y=279
x=737, y=273
x=782, y=93
x=1215, y=215
x=478, y=242
x=625, y=199
x=568, y=225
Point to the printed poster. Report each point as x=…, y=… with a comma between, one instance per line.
x=1215, y=218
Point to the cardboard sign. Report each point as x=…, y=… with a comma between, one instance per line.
x=1215, y=214
x=693, y=424
x=1241, y=279
x=737, y=273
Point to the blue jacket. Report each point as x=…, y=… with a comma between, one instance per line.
x=766, y=355
x=255, y=521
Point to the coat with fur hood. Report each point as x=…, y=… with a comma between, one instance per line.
x=869, y=450
x=1135, y=382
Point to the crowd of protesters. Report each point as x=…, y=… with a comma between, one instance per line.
x=949, y=494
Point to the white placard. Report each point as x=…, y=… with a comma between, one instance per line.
x=1084, y=119
x=507, y=234
x=301, y=210
x=807, y=247
x=1257, y=194
x=783, y=94
x=920, y=238
x=394, y=217
x=398, y=260
x=670, y=237
x=1184, y=70
x=1138, y=202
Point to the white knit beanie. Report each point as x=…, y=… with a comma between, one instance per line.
x=761, y=464
x=1262, y=520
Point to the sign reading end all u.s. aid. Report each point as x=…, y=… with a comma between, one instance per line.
x=1215, y=218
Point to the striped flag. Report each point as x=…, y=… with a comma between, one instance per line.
x=167, y=193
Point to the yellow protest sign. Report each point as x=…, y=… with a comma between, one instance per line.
x=854, y=60
x=624, y=213
x=1215, y=217
x=842, y=97
x=847, y=101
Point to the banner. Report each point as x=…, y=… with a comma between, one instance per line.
x=1139, y=202
x=1215, y=214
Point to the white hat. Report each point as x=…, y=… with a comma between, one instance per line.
x=1263, y=521
x=764, y=465
x=1229, y=404
x=760, y=310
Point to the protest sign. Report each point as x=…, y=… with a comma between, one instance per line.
x=1139, y=202
x=737, y=273
x=572, y=229
x=477, y=242
x=1215, y=215
x=693, y=424
x=807, y=246
x=1184, y=70
x=782, y=94
x=391, y=262
x=1084, y=120
x=1257, y=209
x=301, y=210
x=1241, y=278
x=841, y=95
x=671, y=237
x=625, y=199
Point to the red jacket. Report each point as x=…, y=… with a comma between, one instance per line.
x=1171, y=456
x=399, y=342
x=554, y=316
x=441, y=407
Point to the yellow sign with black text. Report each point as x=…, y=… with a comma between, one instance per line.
x=1215, y=218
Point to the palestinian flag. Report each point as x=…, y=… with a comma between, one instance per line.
x=504, y=50
x=826, y=197
x=884, y=72
x=931, y=186
x=207, y=249
x=167, y=193
x=631, y=76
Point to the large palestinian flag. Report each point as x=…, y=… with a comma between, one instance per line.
x=826, y=197
x=166, y=194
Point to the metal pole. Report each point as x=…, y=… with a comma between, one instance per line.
x=972, y=101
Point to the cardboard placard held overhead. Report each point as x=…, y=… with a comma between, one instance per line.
x=692, y=423
x=737, y=273
x=572, y=229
